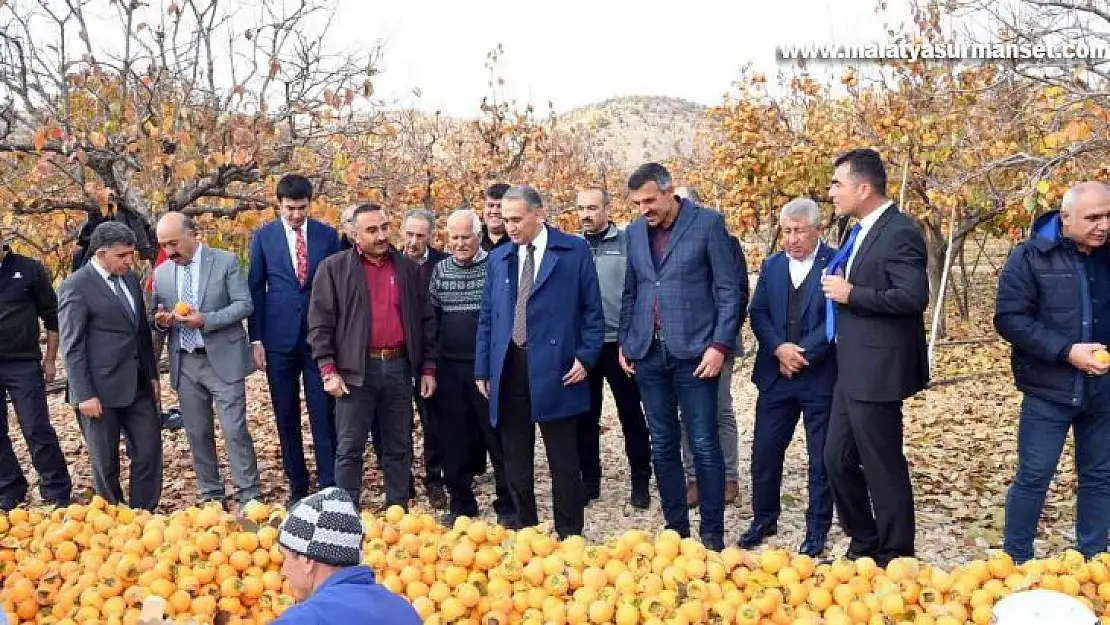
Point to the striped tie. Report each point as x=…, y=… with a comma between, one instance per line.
x=520, y=313
x=188, y=335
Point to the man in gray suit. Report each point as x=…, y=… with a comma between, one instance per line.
x=109, y=358
x=209, y=353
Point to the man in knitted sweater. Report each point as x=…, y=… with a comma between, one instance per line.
x=321, y=542
x=455, y=291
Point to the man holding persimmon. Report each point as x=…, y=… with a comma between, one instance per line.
x=1053, y=307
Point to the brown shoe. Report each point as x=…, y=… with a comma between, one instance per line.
x=732, y=491
x=691, y=494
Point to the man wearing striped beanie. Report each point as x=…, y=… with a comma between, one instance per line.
x=321, y=542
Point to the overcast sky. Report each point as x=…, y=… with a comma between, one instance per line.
x=575, y=52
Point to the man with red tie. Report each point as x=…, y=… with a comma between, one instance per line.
x=284, y=255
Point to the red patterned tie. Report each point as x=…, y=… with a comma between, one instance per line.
x=302, y=257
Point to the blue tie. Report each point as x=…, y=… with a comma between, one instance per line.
x=838, y=261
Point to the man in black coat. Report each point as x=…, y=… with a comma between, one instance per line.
x=877, y=290
x=1052, y=307
x=418, y=230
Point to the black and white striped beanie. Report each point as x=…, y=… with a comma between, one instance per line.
x=324, y=527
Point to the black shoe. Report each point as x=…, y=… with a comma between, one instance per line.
x=172, y=420
x=713, y=543
x=641, y=496
x=813, y=545
x=592, y=492
x=437, y=496
x=757, y=533
x=294, y=497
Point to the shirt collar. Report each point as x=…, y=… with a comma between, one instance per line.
x=807, y=259
x=195, y=260
x=540, y=242
x=100, y=270
x=386, y=259
x=289, y=229
x=479, y=257
x=867, y=222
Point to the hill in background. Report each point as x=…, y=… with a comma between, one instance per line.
x=635, y=129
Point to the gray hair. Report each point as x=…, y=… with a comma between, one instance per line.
x=524, y=192
x=421, y=213
x=475, y=222
x=109, y=234
x=1077, y=191
x=802, y=207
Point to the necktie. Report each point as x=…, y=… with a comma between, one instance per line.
x=524, y=291
x=188, y=335
x=838, y=262
x=302, y=257
x=117, y=286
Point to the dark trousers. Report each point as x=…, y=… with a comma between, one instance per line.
x=1042, y=430
x=385, y=398
x=867, y=470
x=776, y=416
x=142, y=428
x=637, y=443
x=463, y=419
x=667, y=384
x=433, y=454
x=22, y=381
x=518, y=439
x=284, y=372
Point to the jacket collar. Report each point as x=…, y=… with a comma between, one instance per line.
x=361, y=575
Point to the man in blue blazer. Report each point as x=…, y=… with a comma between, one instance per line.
x=795, y=371
x=284, y=255
x=680, y=315
x=540, y=329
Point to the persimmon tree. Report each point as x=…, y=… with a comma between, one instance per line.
x=979, y=145
x=116, y=108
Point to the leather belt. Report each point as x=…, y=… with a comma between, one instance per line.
x=199, y=351
x=388, y=353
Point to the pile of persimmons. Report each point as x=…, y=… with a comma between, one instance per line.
x=100, y=563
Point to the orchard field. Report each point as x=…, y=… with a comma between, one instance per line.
x=147, y=113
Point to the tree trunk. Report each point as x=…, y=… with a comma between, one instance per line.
x=936, y=245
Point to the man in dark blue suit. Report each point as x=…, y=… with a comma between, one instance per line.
x=680, y=315
x=540, y=328
x=284, y=255
x=795, y=371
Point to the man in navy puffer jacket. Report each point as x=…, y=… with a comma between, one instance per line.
x=1053, y=307
x=321, y=541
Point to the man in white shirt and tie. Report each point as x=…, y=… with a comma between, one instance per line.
x=202, y=301
x=109, y=358
x=795, y=370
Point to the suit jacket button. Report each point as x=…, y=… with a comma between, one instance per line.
x=553, y=341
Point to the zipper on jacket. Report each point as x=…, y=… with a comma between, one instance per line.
x=1085, y=323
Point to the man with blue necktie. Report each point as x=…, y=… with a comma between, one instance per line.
x=284, y=255
x=878, y=290
x=795, y=370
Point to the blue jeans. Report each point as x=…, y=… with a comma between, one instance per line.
x=1042, y=430
x=665, y=384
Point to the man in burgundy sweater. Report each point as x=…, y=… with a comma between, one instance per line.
x=372, y=330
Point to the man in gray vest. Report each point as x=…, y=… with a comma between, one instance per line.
x=608, y=244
